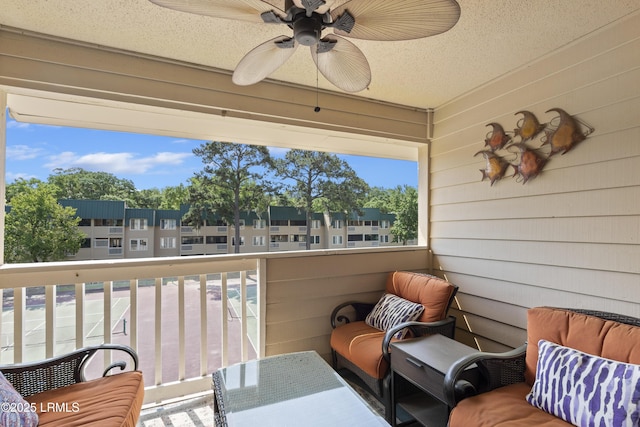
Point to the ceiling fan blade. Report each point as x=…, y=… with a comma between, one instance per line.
x=263, y=60
x=342, y=63
x=397, y=19
x=318, y=6
x=241, y=10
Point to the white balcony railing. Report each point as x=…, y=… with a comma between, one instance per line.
x=185, y=317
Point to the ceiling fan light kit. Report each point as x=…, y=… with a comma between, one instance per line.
x=339, y=60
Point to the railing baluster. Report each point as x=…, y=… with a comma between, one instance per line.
x=106, y=316
x=50, y=320
x=79, y=315
x=243, y=316
x=261, y=302
x=19, y=297
x=204, y=348
x=158, y=330
x=181, y=329
x=133, y=315
x=224, y=308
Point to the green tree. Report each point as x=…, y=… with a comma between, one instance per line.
x=232, y=181
x=20, y=185
x=38, y=229
x=403, y=203
x=80, y=184
x=320, y=181
x=174, y=197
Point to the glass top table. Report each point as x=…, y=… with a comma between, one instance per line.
x=288, y=390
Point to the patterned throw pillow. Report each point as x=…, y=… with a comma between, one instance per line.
x=585, y=390
x=392, y=310
x=14, y=410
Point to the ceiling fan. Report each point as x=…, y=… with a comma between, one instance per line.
x=338, y=59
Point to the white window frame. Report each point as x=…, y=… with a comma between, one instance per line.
x=168, y=243
x=337, y=240
x=259, y=224
x=259, y=241
x=138, y=224
x=168, y=224
x=141, y=245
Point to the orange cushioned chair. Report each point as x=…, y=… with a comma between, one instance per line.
x=57, y=393
x=364, y=349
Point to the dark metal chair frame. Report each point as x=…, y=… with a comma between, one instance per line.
x=60, y=371
x=500, y=369
x=380, y=388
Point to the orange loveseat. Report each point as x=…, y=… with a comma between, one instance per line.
x=364, y=349
x=56, y=390
x=570, y=365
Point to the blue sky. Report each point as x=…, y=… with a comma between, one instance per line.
x=34, y=151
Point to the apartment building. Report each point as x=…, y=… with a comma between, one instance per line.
x=114, y=231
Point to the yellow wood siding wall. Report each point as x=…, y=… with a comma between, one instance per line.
x=571, y=236
x=303, y=289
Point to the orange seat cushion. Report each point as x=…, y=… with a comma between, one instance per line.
x=504, y=407
x=362, y=345
x=113, y=401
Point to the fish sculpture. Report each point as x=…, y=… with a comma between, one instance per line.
x=495, y=167
x=528, y=126
x=531, y=163
x=566, y=135
x=497, y=138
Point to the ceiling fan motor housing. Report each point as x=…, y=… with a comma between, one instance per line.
x=308, y=30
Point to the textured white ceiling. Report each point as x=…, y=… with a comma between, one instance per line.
x=492, y=38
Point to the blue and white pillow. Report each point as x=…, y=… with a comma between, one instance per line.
x=14, y=410
x=586, y=390
x=391, y=311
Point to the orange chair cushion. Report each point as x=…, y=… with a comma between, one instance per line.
x=113, y=401
x=432, y=292
x=362, y=345
x=588, y=334
x=505, y=407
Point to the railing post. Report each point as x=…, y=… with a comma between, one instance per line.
x=79, y=315
x=224, y=308
x=19, y=304
x=261, y=301
x=204, y=346
x=158, y=330
x=50, y=320
x=181, y=330
x=244, y=346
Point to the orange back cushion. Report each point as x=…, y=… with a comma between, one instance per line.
x=432, y=292
x=589, y=334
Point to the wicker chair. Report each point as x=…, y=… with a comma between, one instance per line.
x=58, y=375
x=377, y=342
x=503, y=369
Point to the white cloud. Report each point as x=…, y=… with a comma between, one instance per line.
x=117, y=163
x=12, y=124
x=13, y=176
x=22, y=152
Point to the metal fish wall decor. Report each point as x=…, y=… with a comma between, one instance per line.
x=497, y=138
x=528, y=126
x=566, y=135
x=530, y=164
x=561, y=134
x=495, y=167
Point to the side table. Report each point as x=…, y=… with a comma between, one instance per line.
x=424, y=362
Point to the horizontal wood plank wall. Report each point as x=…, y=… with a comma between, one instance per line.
x=571, y=236
x=302, y=291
